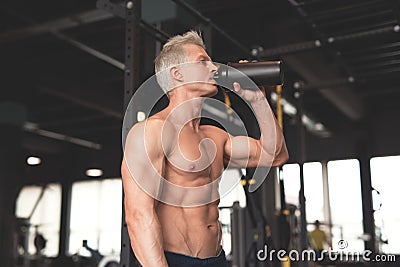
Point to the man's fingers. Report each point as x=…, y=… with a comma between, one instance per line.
x=236, y=86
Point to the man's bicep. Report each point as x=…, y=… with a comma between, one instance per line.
x=241, y=151
x=135, y=198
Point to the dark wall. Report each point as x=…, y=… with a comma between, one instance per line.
x=381, y=140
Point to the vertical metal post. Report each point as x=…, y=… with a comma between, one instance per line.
x=235, y=234
x=132, y=49
x=158, y=42
x=366, y=193
x=238, y=222
x=65, y=216
x=242, y=237
x=12, y=118
x=269, y=191
x=302, y=151
x=207, y=37
x=132, y=79
x=327, y=205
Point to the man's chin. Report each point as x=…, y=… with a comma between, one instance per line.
x=214, y=91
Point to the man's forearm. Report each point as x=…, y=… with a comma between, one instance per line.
x=146, y=240
x=271, y=139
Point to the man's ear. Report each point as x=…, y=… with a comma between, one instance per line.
x=176, y=74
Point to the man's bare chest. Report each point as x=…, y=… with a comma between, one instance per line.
x=196, y=153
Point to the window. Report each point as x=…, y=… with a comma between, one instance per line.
x=346, y=202
x=313, y=188
x=45, y=217
x=96, y=210
x=385, y=178
x=291, y=178
x=230, y=180
x=232, y=189
x=313, y=191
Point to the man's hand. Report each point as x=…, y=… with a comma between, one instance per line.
x=249, y=95
x=252, y=96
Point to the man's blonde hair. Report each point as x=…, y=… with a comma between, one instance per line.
x=173, y=54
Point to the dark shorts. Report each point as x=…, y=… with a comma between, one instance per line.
x=181, y=260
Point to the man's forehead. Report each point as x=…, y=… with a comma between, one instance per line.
x=196, y=52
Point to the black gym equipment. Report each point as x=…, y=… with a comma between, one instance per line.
x=95, y=259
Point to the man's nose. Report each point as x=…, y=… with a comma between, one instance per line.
x=213, y=67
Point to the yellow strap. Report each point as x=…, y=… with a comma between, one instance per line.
x=279, y=105
x=285, y=262
x=227, y=101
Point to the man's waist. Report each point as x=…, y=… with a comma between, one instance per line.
x=204, y=253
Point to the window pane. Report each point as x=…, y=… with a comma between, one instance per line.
x=385, y=178
x=313, y=191
x=46, y=217
x=236, y=194
x=313, y=188
x=291, y=178
x=346, y=202
x=96, y=210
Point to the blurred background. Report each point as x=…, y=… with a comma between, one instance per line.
x=64, y=86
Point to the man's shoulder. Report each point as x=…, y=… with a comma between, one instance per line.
x=157, y=130
x=151, y=133
x=152, y=123
x=145, y=129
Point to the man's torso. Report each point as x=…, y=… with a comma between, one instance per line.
x=193, y=163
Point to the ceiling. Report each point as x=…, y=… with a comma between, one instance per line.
x=62, y=61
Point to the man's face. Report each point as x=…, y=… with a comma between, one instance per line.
x=199, y=72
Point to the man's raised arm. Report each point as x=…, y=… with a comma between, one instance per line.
x=142, y=165
x=271, y=149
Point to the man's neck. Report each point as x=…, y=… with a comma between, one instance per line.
x=183, y=110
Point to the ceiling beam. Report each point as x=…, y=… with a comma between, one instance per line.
x=35, y=129
x=69, y=22
x=311, y=70
x=82, y=100
x=90, y=50
x=55, y=25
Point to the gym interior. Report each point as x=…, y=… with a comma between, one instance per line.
x=69, y=69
